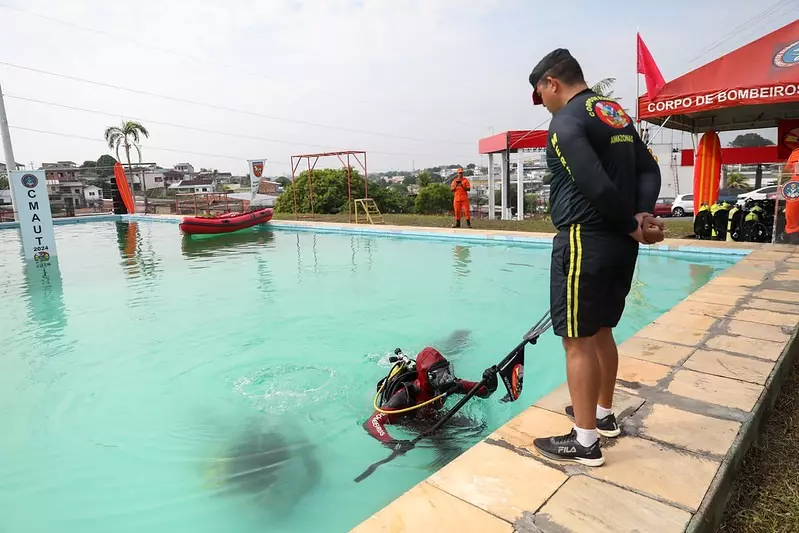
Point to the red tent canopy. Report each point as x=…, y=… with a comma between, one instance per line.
x=513, y=141
x=754, y=86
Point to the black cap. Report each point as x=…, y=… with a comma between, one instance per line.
x=550, y=60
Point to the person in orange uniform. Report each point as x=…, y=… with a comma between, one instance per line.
x=791, y=200
x=460, y=186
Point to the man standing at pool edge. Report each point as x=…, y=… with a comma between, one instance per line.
x=604, y=187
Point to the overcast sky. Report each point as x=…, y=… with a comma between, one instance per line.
x=412, y=82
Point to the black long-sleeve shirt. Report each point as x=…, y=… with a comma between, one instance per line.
x=602, y=172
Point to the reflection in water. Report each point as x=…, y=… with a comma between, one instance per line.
x=227, y=243
x=45, y=298
x=462, y=259
x=700, y=275
x=356, y=244
x=138, y=260
x=271, y=465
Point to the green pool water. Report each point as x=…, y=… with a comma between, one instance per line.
x=134, y=366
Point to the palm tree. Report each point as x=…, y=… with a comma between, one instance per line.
x=127, y=136
x=737, y=181
x=604, y=87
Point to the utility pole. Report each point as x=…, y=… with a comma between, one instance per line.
x=9, y=153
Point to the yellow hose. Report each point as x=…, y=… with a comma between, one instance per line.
x=407, y=409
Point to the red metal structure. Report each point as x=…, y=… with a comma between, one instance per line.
x=295, y=164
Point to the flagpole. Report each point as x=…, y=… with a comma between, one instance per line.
x=637, y=83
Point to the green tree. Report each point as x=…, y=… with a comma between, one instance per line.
x=105, y=165
x=423, y=179
x=330, y=193
x=390, y=200
x=3, y=182
x=399, y=187
x=468, y=172
x=409, y=180
x=753, y=140
x=127, y=136
x=604, y=87
x=89, y=164
x=530, y=203
x=737, y=180
x=471, y=166
x=283, y=181
x=434, y=199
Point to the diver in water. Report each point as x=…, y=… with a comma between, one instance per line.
x=414, y=391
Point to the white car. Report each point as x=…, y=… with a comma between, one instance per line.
x=683, y=205
x=762, y=193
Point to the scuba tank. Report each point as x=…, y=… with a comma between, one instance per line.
x=402, y=372
x=754, y=229
x=703, y=222
x=720, y=218
x=735, y=224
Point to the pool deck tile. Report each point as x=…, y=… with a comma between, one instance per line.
x=687, y=321
x=766, y=317
x=663, y=353
x=633, y=373
x=427, y=508
x=582, y=504
x=769, y=305
x=624, y=403
x=530, y=424
x=498, y=480
x=671, y=334
x=657, y=471
x=762, y=349
x=690, y=431
x=757, y=330
x=778, y=295
x=715, y=389
x=730, y=366
x=695, y=307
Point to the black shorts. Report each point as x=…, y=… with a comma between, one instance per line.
x=590, y=276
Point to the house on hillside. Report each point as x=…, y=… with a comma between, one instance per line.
x=194, y=186
x=269, y=187
x=185, y=168
x=65, y=171
x=93, y=193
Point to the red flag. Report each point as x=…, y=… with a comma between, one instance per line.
x=650, y=70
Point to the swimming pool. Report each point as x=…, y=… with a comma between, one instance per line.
x=145, y=358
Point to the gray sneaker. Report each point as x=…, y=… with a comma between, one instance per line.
x=607, y=427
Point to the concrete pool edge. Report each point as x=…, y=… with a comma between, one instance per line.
x=693, y=389
x=477, y=236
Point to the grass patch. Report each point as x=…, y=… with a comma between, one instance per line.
x=765, y=496
x=676, y=229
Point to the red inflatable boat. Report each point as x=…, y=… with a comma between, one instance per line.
x=226, y=223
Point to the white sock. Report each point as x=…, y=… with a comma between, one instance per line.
x=602, y=412
x=586, y=437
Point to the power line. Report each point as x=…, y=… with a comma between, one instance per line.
x=149, y=147
x=205, y=130
x=237, y=69
x=219, y=107
x=747, y=23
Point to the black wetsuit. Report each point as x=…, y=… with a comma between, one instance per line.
x=602, y=175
